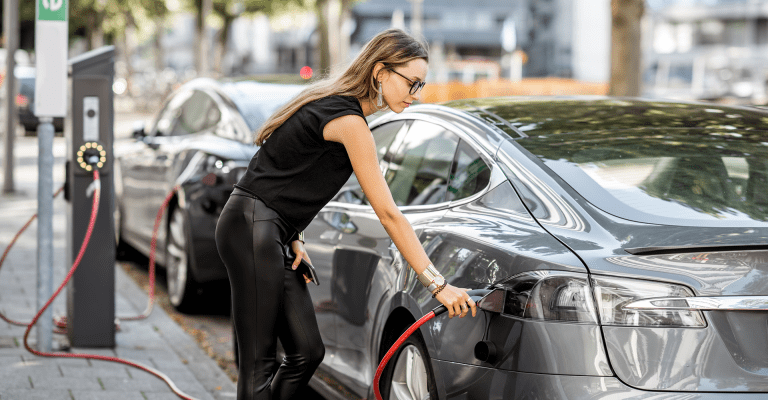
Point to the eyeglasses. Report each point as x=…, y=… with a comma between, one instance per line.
x=415, y=85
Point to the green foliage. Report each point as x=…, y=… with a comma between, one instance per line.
x=111, y=15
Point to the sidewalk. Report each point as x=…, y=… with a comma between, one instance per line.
x=156, y=341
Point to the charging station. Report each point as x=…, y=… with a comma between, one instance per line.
x=89, y=135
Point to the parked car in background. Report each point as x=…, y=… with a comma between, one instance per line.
x=201, y=140
x=25, y=101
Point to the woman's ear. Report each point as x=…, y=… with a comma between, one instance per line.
x=377, y=68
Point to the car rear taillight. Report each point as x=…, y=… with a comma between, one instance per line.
x=550, y=296
x=612, y=294
x=21, y=100
x=218, y=171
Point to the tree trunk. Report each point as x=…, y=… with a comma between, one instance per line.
x=344, y=37
x=129, y=42
x=323, y=45
x=201, y=44
x=221, y=47
x=625, y=47
x=157, y=43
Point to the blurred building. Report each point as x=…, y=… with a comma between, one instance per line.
x=470, y=40
x=709, y=49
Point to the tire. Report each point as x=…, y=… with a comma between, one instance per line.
x=182, y=287
x=408, y=375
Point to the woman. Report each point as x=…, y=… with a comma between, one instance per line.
x=309, y=149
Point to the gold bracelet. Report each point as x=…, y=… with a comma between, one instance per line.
x=439, y=288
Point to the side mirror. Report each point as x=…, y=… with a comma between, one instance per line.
x=138, y=130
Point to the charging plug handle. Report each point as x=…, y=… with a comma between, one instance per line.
x=476, y=295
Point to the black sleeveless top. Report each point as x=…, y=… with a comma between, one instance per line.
x=296, y=172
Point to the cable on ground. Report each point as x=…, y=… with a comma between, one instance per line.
x=83, y=247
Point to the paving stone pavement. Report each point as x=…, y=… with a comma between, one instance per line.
x=157, y=341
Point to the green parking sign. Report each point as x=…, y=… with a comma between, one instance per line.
x=51, y=44
x=52, y=10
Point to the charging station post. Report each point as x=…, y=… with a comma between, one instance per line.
x=91, y=291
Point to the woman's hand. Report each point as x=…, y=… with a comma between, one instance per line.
x=457, y=301
x=298, y=249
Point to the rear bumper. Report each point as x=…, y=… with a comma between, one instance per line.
x=462, y=381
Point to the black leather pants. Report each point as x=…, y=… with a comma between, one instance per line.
x=268, y=301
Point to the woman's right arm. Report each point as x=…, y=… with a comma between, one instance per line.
x=352, y=131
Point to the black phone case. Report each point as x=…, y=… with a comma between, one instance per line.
x=304, y=267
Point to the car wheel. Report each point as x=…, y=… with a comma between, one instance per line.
x=410, y=374
x=182, y=287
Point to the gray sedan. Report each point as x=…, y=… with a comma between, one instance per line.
x=627, y=240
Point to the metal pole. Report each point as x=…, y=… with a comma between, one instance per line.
x=45, y=230
x=11, y=43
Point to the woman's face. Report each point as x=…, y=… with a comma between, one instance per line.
x=396, y=88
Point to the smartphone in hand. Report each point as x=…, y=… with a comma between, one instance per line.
x=304, y=267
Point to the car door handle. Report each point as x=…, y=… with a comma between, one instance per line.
x=161, y=157
x=714, y=303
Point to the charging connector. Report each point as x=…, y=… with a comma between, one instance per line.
x=90, y=155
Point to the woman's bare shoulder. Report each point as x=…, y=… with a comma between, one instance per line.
x=345, y=128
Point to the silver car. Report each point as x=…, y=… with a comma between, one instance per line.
x=626, y=239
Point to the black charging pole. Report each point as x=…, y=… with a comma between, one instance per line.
x=91, y=292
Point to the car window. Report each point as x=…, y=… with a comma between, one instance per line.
x=197, y=114
x=383, y=135
x=167, y=117
x=464, y=264
x=674, y=176
x=469, y=173
x=418, y=172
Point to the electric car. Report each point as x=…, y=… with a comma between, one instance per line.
x=202, y=141
x=625, y=241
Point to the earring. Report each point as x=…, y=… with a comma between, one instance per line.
x=379, y=99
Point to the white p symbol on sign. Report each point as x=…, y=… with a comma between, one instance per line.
x=53, y=5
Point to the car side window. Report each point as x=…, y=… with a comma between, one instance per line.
x=165, y=122
x=469, y=173
x=198, y=113
x=383, y=135
x=418, y=171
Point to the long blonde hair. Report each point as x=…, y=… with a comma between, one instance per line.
x=392, y=47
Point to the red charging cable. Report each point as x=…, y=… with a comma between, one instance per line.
x=8, y=249
x=94, y=213
x=416, y=325
x=477, y=295
x=61, y=322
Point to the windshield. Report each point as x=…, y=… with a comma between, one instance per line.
x=675, y=174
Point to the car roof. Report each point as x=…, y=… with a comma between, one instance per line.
x=521, y=117
x=245, y=92
x=255, y=101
